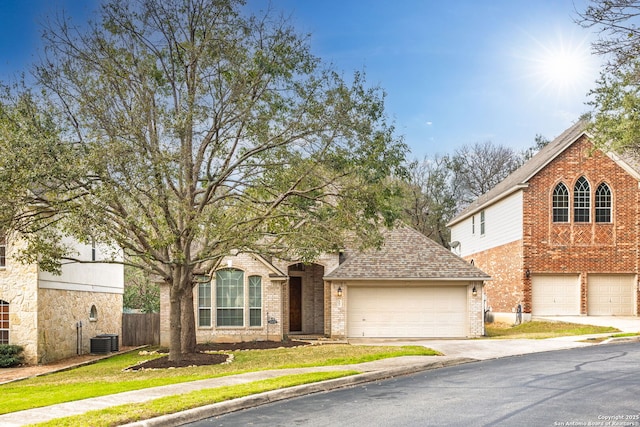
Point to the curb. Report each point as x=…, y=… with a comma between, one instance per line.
x=620, y=340
x=220, y=408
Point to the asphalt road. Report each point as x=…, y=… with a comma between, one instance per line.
x=589, y=386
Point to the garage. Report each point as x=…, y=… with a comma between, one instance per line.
x=611, y=294
x=555, y=295
x=409, y=287
x=383, y=311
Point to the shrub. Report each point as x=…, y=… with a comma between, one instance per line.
x=10, y=355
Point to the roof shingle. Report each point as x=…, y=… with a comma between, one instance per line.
x=406, y=254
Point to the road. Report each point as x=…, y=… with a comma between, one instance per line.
x=596, y=385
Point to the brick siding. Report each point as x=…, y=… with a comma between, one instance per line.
x=566, y=248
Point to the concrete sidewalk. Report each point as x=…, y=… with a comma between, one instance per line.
x=455, y=352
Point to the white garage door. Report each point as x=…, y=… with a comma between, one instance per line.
x=610, y=294
x=408, y=312
x=555, y=295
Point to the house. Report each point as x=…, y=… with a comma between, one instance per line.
x=54, y=316
x=411, y=287
x=560, y=235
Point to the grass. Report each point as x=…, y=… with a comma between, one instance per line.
x=129, y=413
x=109, y=376
x=543, y=329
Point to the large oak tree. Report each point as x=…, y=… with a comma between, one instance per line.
x=180, y=130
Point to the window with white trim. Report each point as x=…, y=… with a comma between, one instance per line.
x=482, y=222
x=473, y=224
x=4, y=322
x=255, y=301
x=560, y=203
x=204, y=304
x=582, y=200
x=229, y=297
x=603, y=203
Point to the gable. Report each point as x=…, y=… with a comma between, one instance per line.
x=521, y=177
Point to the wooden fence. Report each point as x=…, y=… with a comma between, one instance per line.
x=140, y=329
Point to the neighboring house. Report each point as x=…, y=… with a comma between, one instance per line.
x=53, y=317
x=560, y=235
x=411, y=287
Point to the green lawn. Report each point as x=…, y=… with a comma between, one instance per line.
x=543, y=329
x=123, y=414
x=109, y=376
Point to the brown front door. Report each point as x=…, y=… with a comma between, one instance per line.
x=295, y=304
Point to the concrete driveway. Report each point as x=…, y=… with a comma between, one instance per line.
x=625, y=324
x=483, y=349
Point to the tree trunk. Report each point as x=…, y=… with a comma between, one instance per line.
x=188, y=322
x=175, y=320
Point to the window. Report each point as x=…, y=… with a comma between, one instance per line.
x=229, y=297
x=581, y=200
x=473, y=224
x=3, y=250
x=482, y=223
x=603, y=203
x=255, y=301
x=4, y=322
x=93, y=313
x=561, y=203
x=204, y=303
x=93, y=249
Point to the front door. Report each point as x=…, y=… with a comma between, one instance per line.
x=295, y=304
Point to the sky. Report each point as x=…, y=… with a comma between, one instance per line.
x=454, y=72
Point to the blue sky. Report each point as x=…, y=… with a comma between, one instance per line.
x=455, y=72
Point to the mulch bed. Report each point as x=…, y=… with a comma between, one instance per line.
x=200, y=358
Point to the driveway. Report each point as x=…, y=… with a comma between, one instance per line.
x=625, y=324
x=483, y=349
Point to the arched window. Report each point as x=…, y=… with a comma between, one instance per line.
x=603, y=203
x=4, y=322
x=229, y=297
x=582, y=200
x=93, y=313
x=560, y=203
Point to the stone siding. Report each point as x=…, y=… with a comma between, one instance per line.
x=60, y=313
x=272, y=303
x=475, y=310
x=337, y=328
x=19, y=287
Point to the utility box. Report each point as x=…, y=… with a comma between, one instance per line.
x=101, y=345
x=115, y=346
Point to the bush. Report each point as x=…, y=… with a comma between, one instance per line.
x=10, y=355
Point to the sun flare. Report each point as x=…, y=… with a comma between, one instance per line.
x=560, y=65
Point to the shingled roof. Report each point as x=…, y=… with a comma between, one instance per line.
x=406, y=255
x=518, y=179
